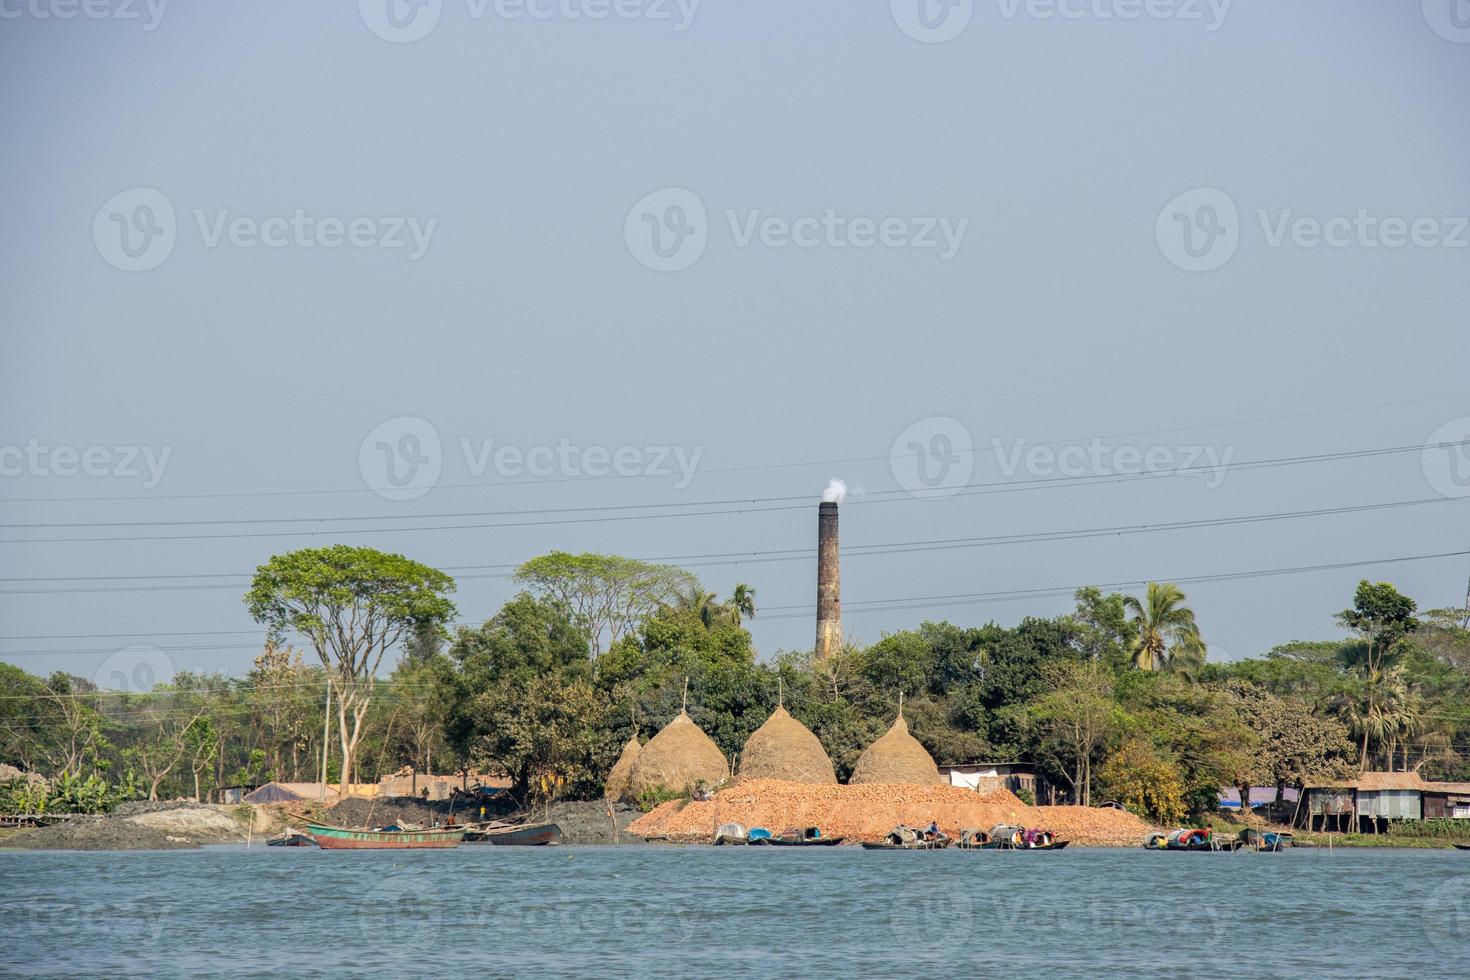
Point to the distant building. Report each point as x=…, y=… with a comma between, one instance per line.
x=1259, y=796
x=988, y=777
x=1369, y=803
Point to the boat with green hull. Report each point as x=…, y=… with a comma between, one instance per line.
x=343, y=838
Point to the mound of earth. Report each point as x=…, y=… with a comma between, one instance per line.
x=868, y=811
x=589, y=822
x=139, y=827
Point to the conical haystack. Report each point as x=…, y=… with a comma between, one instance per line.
x=617, y=780
x=896, y=757
x=678, y=758
x=784, y=748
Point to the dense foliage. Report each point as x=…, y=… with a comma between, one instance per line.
x=1114, y=701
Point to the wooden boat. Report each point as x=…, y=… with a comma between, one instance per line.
x=343, y=838
x=525, y=835
x=731, y=833
x=1192, y=840
x=1270, y=841
x=1007, y=838
x=906, y=838
x=797, y=837
x=290, y=838
x=1462, y=847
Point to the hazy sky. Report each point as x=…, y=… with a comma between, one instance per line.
x=735, y=250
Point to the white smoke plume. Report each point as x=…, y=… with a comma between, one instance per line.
x=835, y=492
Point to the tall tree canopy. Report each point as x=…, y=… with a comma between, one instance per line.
x=607, y=594
x=353, y=604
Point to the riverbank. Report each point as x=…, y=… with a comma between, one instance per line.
x=142, y=826
x=868, y=812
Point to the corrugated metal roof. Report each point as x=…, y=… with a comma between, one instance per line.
x=1455, y=788
x=1373, y=782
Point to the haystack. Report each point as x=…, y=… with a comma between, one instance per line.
x=784, y=748
x=678, y=758
x=617, y=780
x=896, y=757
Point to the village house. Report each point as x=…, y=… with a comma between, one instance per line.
x=1369, y=803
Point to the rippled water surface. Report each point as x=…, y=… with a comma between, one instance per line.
x=735, y=912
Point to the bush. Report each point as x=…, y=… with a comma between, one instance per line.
x=651, y=798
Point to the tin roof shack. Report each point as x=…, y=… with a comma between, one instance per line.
x=1447, y=801
x=1366, y=804
x=989, y=777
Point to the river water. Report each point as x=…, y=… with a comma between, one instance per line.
x=735, y=912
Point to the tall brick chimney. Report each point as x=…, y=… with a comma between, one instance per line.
x=829, y=584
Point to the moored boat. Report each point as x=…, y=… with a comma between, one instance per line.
x=1008, y=838
x=344, y=838
x=731, y=833
x=523, y=835
x=1459, y=847
x=906, y=838
x=801, y=837
x=290, y=838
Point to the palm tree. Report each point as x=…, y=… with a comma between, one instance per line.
x=741, y=604
x=694, y=599
x=1168, y=637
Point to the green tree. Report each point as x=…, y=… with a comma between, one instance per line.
x=354, y=604
x=1167, y=636
x=607, y=594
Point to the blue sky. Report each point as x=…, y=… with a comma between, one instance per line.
x=256, y=253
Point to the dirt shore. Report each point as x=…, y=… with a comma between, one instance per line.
x=867, y=812
x=141, y=827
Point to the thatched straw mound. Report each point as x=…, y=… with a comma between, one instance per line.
x=678, y=758
x=784, y=748
x=617, y=780
x=896, y=757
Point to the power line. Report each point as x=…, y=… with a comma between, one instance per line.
x=759, y=466
x=879, y=496
x=774, y=555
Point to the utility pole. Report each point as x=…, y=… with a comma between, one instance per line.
x=326, y=738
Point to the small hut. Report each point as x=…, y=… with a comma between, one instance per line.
x=678, y=758
x=784, y=748
x=617, y=780
x=896, y=757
